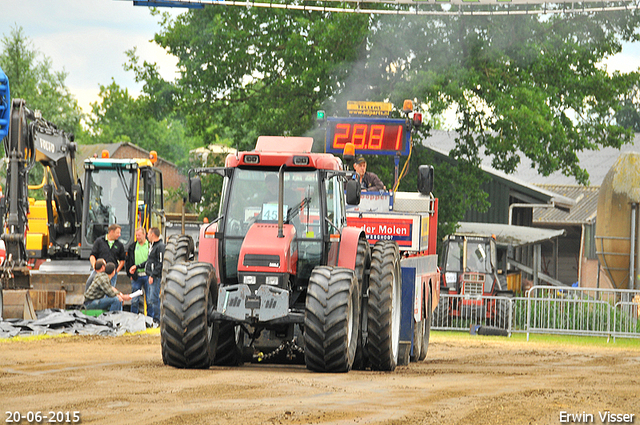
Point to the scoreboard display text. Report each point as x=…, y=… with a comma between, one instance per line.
x=370, y=136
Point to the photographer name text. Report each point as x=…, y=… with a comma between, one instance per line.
x=605, y=418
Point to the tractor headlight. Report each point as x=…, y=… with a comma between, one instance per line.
x=272, y=280
x=249, y=280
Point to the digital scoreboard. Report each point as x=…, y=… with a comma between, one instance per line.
x=370, y=136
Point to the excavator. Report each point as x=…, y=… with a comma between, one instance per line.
x=61, y=229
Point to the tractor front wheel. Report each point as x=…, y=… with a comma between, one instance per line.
x=187, y=338
x=331, y=320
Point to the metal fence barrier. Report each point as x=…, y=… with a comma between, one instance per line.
x=551, y=310
x=460, y=312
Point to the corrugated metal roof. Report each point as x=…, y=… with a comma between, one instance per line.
x=537, y=193
x=510, y=235
x=584, y=212
x=597, y=163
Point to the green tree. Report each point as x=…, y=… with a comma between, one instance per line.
x=521, y=85
x=118, y=117
x=629, y=114
x=32, y=78
x=246, y=72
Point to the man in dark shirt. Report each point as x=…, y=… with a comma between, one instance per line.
x=110, y=249
x=101, y=295
x=153, y=269
x=368, y=180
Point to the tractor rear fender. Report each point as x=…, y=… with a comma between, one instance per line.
x=349, y=247
x=208, y=246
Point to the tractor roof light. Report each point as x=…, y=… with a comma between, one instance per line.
x=417, y=119
x=349, y=153
x=407, y=106
x=252, y=159
x=105, y=154
x=300, y=160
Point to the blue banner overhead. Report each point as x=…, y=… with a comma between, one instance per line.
x=415, y=7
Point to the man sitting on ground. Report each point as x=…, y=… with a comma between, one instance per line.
x=101, y=295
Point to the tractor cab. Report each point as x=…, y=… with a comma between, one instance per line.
x=469, y=264
x=469, y=270
x=252, y=216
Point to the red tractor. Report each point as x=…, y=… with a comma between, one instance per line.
x=282, y=274
x=470, y=276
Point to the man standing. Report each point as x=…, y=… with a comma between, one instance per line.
x=101, y=295
x=368, y=180
x=110, y=249
x=137, y=254
x=153, y=269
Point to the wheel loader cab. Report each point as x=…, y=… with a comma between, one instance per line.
x=127, y=192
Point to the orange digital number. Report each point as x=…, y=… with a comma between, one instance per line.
x=399, y=138
x=359, y=137
x=341, y=138
x=376, y=136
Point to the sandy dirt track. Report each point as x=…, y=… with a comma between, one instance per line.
x=464, y=380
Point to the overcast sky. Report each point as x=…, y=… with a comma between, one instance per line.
x=88, y=39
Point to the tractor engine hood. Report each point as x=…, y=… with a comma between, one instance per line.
x=263, y=251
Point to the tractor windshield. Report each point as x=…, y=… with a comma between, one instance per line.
x=478, y=257
x=255, y=195
x=455, y=254
x=254, y=198
x=108, y=192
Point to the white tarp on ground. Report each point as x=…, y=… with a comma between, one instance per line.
x=74, y=322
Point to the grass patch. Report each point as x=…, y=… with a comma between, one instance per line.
x=32, y=338
x=560, y=340
x=28, y=338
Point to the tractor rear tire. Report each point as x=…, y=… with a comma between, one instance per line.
x=187, y=338
x=426, y=333
x=331, y=320
x=385, y=304
x=178, y=248
x=363, y=264
x=229, y=349
x=421, y=333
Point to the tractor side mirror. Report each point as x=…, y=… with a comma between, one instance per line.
x=195, y=190
x=353, y=192
x=425, y=179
